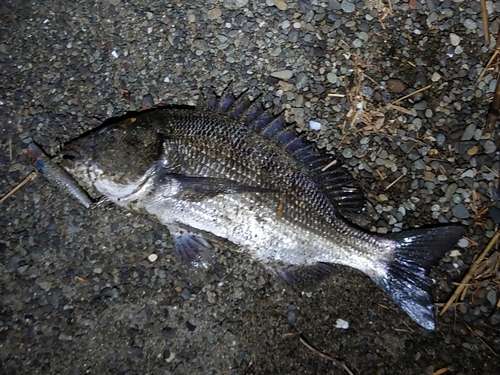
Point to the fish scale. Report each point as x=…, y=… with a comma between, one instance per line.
x=196, y=161
x=231, y=168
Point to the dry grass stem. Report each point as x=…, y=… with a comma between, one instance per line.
x=486, y=28
x=30, y=177
x=332, y=163
x=337, y=95
x=465, y=281
x=442, y=370
x=82, y=280
x=491, y=62
x=393, y=182
x=411, y=94
x=400, y=109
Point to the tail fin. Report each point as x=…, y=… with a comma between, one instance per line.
x=407, y=281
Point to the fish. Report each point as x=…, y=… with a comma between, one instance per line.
x=239, y=171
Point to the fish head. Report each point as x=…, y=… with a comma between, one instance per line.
x=116, y=155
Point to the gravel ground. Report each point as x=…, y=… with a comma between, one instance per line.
x=78, y=293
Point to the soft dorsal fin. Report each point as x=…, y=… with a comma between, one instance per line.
x=336, y=181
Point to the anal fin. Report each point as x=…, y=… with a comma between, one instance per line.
x=312, y=273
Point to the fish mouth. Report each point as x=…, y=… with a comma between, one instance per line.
x=71, y=154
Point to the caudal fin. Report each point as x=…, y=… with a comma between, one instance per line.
x=407, y=281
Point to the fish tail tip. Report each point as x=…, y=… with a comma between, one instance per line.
x=407, y=279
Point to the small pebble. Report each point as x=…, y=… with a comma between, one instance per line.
x=190, y=326
x=395, y=85
x=492, y=297
x=281, y=4
x=314, y=125
x=460, y=211
x=472, y=151
x=347, y=6
x=342, y=324
x=282, y=74
x=332, y=77
x=470, y=24
x=168, y=333
x=435, y=77
x=214, y=13
x=148, y=101
x=235, y=4
x=152, y=258
x=304, y=5
x=489, y=146
x=454, y=39
x=468, y=173
x=494, y=213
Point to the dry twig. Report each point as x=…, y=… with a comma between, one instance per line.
x=465, y=281
x=482, y=341
x=336, y=362
x=30, y=177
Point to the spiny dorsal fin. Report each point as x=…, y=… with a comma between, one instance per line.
x=336, y=181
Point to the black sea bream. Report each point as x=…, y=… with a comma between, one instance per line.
x=233, y=169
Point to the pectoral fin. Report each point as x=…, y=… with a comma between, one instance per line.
x=194, y=251
x=197, y=188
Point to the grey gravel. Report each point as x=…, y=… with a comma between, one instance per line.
x=460, y=211
x=282, y=74
x=469, y=132
x=489, y=146
x=78, y=293
x=347, y=6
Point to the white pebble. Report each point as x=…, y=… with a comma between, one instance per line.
x=454, y=39
x=114, y=54
x=435, y=77
x=463, y=243
x=152, y=258
x=342, y=324
x=314, y=125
